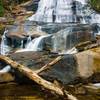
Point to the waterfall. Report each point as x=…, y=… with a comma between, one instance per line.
x=4, y=47
x=60, y=11
x=65, y=40
x=28, y=39
x=22, y=44
x=36, y=44
x=56, y=11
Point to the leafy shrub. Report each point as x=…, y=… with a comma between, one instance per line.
x=1, y=9
x=95, y=4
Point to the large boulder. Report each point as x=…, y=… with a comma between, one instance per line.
x=82, y=67
x=89, y=64
x=71, y=36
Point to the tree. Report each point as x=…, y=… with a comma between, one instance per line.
x=1, y=9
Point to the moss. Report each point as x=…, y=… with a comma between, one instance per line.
x=95, y=4
x=1, y=9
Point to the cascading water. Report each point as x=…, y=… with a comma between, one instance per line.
x=58, y=11
x=22, y=44
x=29, y=38
x=4, y=47
x=65, y=40
x=36, y=45
x=5, y=69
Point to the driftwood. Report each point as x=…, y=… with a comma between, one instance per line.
x=36, y=78
x=49, y=65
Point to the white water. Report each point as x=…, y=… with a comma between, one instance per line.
x=70, y=51
x=29, y=39
x=22, y=44
x=5, y=69
x=4, y=47
x=60, y=9
x=35, y=45
x=97, y=85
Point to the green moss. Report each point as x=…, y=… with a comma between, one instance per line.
x=95, y=4
x=1, y=9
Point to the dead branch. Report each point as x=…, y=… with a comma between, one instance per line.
x=49, y=65
x=36, y=78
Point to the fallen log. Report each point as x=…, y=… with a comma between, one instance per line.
x=36, y=78
x=49, y=65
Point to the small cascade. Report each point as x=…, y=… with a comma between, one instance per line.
x=36, y=45
x=39, y=28
x=28, y=40
x=4, y=47
x=22, y=44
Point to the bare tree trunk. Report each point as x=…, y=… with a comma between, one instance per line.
x=36, y=78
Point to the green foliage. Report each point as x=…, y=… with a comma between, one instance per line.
x=1, y=9
x=95, y=4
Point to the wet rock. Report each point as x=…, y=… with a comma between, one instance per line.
x=71, y=69
x=6, y=77
x=33, y=60
x=64, y=70
x=89, y=63
x=71, y=36
x=3, y=20
x=31, y=5
x=23, y=30
x=92, y=89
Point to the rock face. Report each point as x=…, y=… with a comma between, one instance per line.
x=89, y=62
x=6, y=77
x=18, y=35
x=23, y=30
x=71, y=69
x=71, y=36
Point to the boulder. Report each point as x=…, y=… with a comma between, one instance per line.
x=71, y=69
x=89, y=64
x=23, y=30
x=6, y=77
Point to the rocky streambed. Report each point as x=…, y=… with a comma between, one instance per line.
x=82, y=82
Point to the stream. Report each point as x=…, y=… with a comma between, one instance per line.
x=57, y=28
